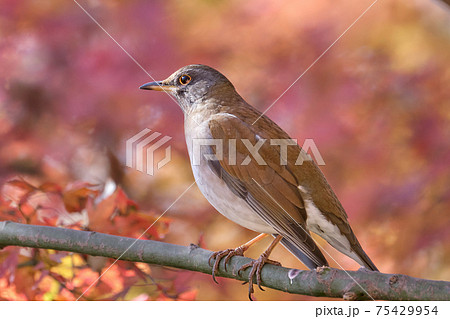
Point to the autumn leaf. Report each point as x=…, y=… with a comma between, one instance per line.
x=124, y=205
x=75, y=199
x=49, y=187
x=22, y=185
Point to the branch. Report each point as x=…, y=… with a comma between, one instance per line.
x=327, y=282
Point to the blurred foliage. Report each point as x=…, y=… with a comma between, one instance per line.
x=376, y=105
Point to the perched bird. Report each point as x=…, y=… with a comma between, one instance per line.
x=251, y=172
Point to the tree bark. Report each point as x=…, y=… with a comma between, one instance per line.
x=327, y=282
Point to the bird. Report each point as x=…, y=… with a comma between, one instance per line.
x=265, y=186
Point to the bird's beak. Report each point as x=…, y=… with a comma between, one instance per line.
x=158, y=86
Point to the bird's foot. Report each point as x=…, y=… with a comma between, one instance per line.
x=257, y=266
x=227, y=253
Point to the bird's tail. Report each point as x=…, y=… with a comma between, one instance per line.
x=365, y=260
x=308, y=262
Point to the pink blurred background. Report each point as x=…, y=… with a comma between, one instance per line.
x=376, y=105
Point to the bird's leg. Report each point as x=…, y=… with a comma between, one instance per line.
x=258, y=264
x=228, y=253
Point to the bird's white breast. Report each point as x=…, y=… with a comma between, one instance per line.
x=212, y=187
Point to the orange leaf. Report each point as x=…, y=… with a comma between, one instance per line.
x=22, y=185
x=100, y=215
x=188, y=295
x=75, y=200
x=123, y=203
x=50, y=187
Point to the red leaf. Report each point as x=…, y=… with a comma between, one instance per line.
x=50, y=187
x=123, y=203
x=188, y=295
x=22, y=185
x=75, y=200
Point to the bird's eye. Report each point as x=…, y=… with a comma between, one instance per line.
x=185, y=79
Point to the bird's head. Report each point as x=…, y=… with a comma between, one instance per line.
x=193, y=84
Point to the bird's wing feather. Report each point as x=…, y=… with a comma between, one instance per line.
x=311, y=178
x=271, y=190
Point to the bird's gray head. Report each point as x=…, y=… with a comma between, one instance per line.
x=193, y=84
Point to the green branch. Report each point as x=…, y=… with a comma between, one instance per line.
x=327, y=282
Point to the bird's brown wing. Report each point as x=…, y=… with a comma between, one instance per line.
x=269, y=188
x=308, y=175
x=313, y=182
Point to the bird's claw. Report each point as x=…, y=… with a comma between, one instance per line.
x=257, y=266
x=218, y=255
